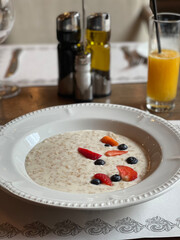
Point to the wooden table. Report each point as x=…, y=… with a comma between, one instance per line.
x=34, y=98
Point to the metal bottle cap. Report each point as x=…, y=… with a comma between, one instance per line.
x=99, y=22
x=68, y=21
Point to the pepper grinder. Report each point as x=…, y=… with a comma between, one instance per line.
x=68, y=35
x=98, y=36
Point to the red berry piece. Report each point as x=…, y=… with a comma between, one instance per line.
x=113, y=153
x=89, y=154
x=103, y=178
x=127, y=174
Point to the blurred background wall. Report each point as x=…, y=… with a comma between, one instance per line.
x=36, y=19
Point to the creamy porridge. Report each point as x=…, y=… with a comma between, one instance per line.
x=56, y=162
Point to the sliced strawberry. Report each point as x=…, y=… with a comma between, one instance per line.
x=103, y=178
x=109, y=140
x=114, y=153
x=127, y=174
x=89, y=154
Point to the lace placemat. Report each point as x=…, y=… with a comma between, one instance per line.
x=159, y=217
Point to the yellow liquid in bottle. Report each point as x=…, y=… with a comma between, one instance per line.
x=97, y=45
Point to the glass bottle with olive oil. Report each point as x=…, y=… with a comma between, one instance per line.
x=98, y=36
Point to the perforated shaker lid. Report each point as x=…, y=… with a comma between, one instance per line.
x=83, y=59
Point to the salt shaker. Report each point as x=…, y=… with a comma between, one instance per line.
x=98, y=36
x=83, y=89
x=68, y=35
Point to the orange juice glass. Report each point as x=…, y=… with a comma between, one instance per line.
x=163, y=63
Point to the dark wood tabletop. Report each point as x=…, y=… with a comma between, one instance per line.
x=35, y=98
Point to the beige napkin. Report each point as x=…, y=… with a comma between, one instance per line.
x=37, y=65
x=121, y=72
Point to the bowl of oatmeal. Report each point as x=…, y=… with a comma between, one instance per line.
x=45, y=156
x=57, y=164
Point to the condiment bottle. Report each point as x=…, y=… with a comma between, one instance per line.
x=98, y=36
x=68, y=35
x=83, y=91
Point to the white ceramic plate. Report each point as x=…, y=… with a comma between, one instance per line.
x=142, y=49
x=156, y=135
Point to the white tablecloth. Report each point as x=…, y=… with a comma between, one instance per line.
x=159, y=217
x=38, y=65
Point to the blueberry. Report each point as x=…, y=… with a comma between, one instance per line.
x=115, y=178
x=99, y=162
x=95, y=181
x=131, y=160
x=122, y=146
x=107, y=145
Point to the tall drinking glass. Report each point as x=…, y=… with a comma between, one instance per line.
x=163, y=62
x=6, y=25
